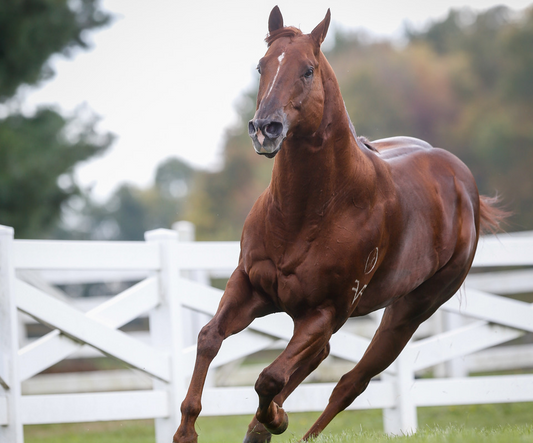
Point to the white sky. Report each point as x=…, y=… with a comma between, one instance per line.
x=166, y=75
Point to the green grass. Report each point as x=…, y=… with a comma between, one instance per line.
x=506, y=423
x=450, y=434
x=105, y=432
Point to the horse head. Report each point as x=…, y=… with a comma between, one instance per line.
x=290, y=100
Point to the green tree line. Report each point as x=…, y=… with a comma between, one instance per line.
x=464, y=83
x=38, y=152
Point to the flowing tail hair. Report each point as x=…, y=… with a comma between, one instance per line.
x=491, y=216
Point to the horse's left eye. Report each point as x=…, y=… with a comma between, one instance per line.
x=309, y=73
x=258, y=69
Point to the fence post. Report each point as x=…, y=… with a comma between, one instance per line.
x=192, y=321
x=11, y=429
x=166, y=330
x=457, y=366
x=402, y=419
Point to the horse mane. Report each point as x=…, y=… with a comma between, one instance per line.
x=289, y=31
x=368, y=143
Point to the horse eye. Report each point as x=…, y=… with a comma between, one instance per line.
x=258, y=69
x=309, y=73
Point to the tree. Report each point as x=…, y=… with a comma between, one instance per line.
x=493, y=132
x=132, y=211
x=463, y=84
x=36, y=166
x=220, y=201
x=38, y=153
x=32, y=30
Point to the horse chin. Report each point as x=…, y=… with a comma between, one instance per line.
x=271, y=155
x=269, y=148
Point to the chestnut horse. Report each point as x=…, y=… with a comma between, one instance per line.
x=345, y=227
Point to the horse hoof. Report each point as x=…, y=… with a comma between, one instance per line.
x=257, y=437
x=280, y=424
x=181, y=438
x=185, y=440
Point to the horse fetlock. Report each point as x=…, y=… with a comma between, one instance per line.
x=269, y=383
x=184, y=437
x=257, y=433
x=280, y=423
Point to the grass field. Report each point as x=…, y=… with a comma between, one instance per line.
x=506, y=423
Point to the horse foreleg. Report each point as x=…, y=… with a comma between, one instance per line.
x=257, y=433
x=310, y=338
x=238, y=307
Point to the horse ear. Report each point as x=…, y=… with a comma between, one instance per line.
x=275, y=21
x=319, y=33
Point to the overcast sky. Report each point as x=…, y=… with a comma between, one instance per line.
x=166, y=75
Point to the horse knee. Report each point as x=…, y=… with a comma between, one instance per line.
x=209, y=341
x=190, y=408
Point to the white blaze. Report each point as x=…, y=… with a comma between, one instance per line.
x=280, y=59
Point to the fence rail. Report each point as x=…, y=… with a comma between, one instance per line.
x=165, y=293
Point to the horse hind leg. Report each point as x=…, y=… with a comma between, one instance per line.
x=386, y=345
x=399, y=322
x=257, y=433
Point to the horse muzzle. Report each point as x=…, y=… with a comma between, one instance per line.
x=267, y=135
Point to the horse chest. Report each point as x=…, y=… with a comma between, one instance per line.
x=297, y=279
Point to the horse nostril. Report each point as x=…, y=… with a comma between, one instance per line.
x=251, y=127
x=273, y=129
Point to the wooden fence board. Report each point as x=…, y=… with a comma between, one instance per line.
x=54, y=346
x=505, y=250
x=492, y=308
x=163, y=295
x=108, y=406
x=76, y=325
x=473, y=390
x=86, y=255
x=210, y=256
x=456, y=343
x=307, y=397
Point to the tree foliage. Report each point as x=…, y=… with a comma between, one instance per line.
x=493, y=131
x=38, y=153
x=36, y=167
x=32, y=30
x=463, y=84
x=131, y=211
x=220, y=201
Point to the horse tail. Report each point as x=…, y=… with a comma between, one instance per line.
x=491, y=216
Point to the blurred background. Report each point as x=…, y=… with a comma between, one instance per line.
x=117, y=117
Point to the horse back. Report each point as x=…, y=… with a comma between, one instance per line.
x=384, y=144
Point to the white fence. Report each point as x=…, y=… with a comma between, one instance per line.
x=164, y=295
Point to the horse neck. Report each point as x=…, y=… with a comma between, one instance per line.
x=309, y=172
